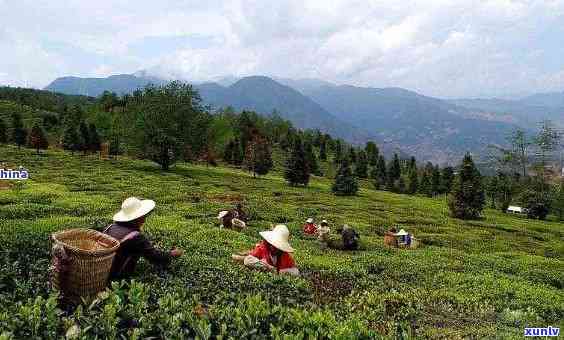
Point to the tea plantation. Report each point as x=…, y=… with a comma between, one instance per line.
x=480, y=279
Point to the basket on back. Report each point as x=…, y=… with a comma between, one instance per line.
x=82, y=260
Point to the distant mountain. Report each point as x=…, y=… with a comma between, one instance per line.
x=120, y=84
x=430, y=128
x=525, y=112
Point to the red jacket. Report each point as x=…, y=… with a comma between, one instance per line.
x=310, y=228
x=284, y=261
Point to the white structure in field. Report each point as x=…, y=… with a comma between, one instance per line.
x=516, y=210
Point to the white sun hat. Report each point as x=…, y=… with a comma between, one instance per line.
x=133, y=208
x=238, y=223
x=222, y=214
x=401, y=233
x=278, y=237
x=324, y=222
x=309, y=220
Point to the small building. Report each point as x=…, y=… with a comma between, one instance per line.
x=516, y=210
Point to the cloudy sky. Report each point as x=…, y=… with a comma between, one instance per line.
x=437, y=47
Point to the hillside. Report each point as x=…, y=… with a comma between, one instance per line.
x=428, y=127
x=120, y=84
x=470, y=279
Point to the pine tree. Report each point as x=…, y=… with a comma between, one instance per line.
x=311, y=159
x=297, y=169
x=19, y=134
x=372, y=153
x=412, y=164
x=447, y=176
x=337, y=151
x=237, y=155
x=228, y=152
x=345, y=183
x=400, y=185
x=37, y=138
x=115, y=149
x=425, y=184
x=361, y=168
x=491, y=190
x=94, y=143
x=467, y=198
x=379, y=173
x=435, y=180
x=258, y=156
x=503, y=191
x=352, y=155
x=413, y=182
x=3, y=132
x=323, y=150
x=71, y=139
x=394, y=171
x=84, y=137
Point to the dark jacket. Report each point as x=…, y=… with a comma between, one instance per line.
x=133, y=246
x=350, y=239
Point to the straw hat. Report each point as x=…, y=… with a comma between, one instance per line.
x=133, y=208
x=309, y=220
x=401, y=233
x=222, y=214
x=238, y=223
x=278, y=237
x=324, y=222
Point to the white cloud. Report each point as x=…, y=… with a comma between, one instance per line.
x=438, y=47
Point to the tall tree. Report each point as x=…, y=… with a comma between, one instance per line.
x=435, y=180
x=504, y=191
x=467, y=198
x=394, y=170
x=19, y=133
x=379, y=173
x=412, y=164
x=94, y=143
x=297, y=169
x=413, y=183
x=312, y=159
x=3, y=132
x=361, y=167
x=71, y=138
x=372, y=153
x=558, y=200
x=258, y=156
x=491, y=190
x=547, y=140
x=447, y=177
x=425, y=183
x=37, y=138
x=352, y=155
x=84, y=137
x=520, y=145
x=323, y=149
x=345, y=183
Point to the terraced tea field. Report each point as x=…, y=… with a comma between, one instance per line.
x=486, y=278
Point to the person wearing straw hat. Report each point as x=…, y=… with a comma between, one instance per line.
x=133, y=244
x=309, y=227
x=273, y=253
x=404, y=239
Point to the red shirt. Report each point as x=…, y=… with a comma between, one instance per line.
x=261, y=252
x=310, y=228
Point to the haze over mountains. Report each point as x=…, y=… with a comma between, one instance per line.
x=397, y=119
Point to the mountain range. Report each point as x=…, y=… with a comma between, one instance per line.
x=397, y=119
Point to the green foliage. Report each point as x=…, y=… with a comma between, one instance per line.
x=372, y=153
x=467, y=197
x=296, y=169
x=71, y=139
x=84, y=133
x=447, y=177
x=503, y=191
x=38, y=139
x=536, y=202
x=425, y=183
x=94, y=143
x=361, y=166
x=3, y=132
x=258, y=157
x=558, y=200
x=311, y=159
x=19, y=133
x=323, y=150
x=379, y=173
x=345, y=183
x=394, y=168
x=413, y=184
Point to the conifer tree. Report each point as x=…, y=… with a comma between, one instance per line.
x=37, y=138
x=323, y=149
x=19, y=134
x=401, y=185
x=425, y=184
x=413, y=182
x=372, y=153
x=394, y=171
x=435, y=180
x=258, y=156
x=352, y=155
x=337, y=151
x=115, y=148
x=361, y=167
x=228, y=152
x=467, y=199
x=447, y=176
x=311, y=159
x=237, y=155
x=84, y=137
x=297, y=169
x=3, y=132
x=94, y=143
x=71, y=139
x=345, y=183
x=412, y=163
x=491, y=190
x=503, y=191
x=558, y=200
x=379, y=173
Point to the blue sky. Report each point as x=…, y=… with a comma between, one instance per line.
x=437, y=47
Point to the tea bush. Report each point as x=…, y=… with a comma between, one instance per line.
x=470, y=279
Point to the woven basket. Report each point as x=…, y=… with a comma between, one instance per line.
x=82, y=260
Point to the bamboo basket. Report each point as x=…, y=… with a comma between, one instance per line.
x=82, y=260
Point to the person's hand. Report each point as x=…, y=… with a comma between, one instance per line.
x=268, y=267
x=176, y=252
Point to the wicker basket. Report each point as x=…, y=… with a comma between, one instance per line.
x=82, y=260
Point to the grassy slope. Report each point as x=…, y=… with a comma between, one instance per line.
x=470, y=278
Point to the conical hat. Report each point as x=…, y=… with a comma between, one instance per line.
x=278, y=237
